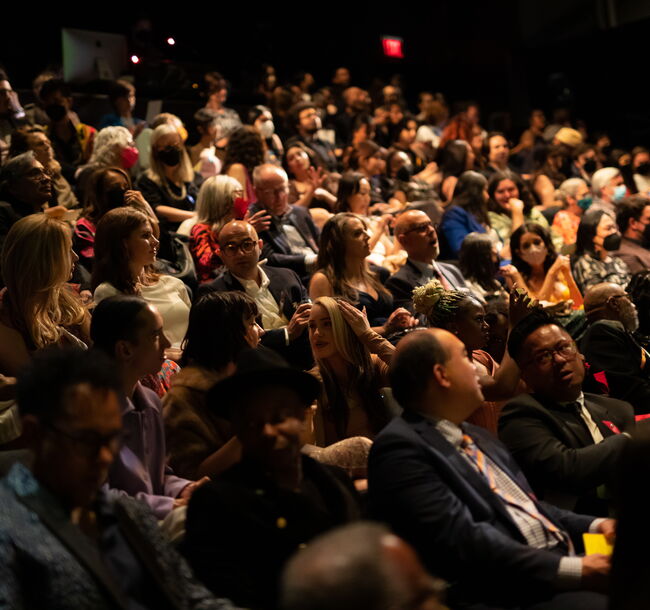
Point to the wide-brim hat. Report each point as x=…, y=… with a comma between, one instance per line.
x=257, y=368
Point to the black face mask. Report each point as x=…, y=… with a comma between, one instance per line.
x=643, y=169
x=612, y=242
x=589, y=166
x=55, y=112
x=115, y=197
x=170, y=155
x=404, y=173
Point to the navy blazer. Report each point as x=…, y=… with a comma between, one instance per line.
x=405, y=279
x=287, y=290
x=276, y=248
x=557, y=452
x=431, y=496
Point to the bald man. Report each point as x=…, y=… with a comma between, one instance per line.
x=292, y=238
x=281, y=298
x=609, y=345
x=417, y=235
x=455, y=493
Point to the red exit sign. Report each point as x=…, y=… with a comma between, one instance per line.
x=393, y=46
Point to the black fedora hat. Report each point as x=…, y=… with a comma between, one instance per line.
x=257, y=368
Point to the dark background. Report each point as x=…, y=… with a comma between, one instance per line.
x=510, y=55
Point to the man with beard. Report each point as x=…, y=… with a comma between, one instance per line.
x=608, y=345
x=305, y=121
x=633, y=220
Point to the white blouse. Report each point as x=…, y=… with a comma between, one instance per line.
x=170, y=298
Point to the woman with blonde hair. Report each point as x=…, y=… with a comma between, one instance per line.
x=125, y=252
x=344, y=272
x=352, y=363
x=38, y=307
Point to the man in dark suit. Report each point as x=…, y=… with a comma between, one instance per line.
x=281, y=298
x=609, y=346
x=455, y=493
x=64, y=542
x=292, y=237
x=417, y=235
x=567, y=442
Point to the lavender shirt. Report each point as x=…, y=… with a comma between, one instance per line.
x=140, y=469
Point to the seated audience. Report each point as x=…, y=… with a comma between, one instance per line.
x=343, y=271
x=217, y=93
x=462, y=314
x=275, y=499
x=633, y=220
x=609, y=344
x=35, y=139
x=608, y=189
x=244, y=152
x=291, y=239
x=215, y=207
x=547, y=177
x=304, y=120
x=576, y=199
x=362, y=565
x=90, y=549
x=567, y=442
x=280, y=297
x=543, y=273
x=496, y=155
x=25, y=188
x=130, y=332
x=585, y=162
x=39, y=308
x=199, y=442
x=121, y=96
x=261, y=118
x=456, y=157
x=352, y=363
x=71, y=139
x=107, y=188
x=416, y=234
x=593, y=262
x=639, y=291
x=203, y=154
x=125, y=251
x=510, y=206
x=307, y=184
x=458, y=497
x=479, y=262
x=466, y=214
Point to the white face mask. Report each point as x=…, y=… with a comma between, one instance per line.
x=535, y=255
x=267, y=129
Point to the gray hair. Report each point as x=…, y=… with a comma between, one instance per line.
x=108, y=144
x=345, y=569
x=265, y=167
x=601, y=178
x=15, y=168
x=215, y=200
x=569, y=188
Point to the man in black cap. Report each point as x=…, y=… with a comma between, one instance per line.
x=245, y=524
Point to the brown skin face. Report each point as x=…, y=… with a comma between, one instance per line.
x=470, y=325
x=561, y=378
x=74, y=453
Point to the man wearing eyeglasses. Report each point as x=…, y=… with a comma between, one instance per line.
x=292, y=237
x=565, y=440
x=417, y=235
x=64, y=543
x=280, y=296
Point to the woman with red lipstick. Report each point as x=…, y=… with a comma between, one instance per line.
x=352, y=362
x=463, y=315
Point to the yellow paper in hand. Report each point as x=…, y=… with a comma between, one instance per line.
x=596, y=544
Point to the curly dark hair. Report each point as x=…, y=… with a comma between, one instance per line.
x=245, y=146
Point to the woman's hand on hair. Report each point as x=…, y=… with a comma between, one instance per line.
x=260, y=220
x=357, y=320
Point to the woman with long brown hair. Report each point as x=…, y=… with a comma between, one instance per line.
x=125, y=251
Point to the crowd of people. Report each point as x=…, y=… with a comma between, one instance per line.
x=231, y=342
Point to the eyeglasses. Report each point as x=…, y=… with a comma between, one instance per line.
x=283, y=190
x=567, y=351
x=90, y=443
x=246, y=247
